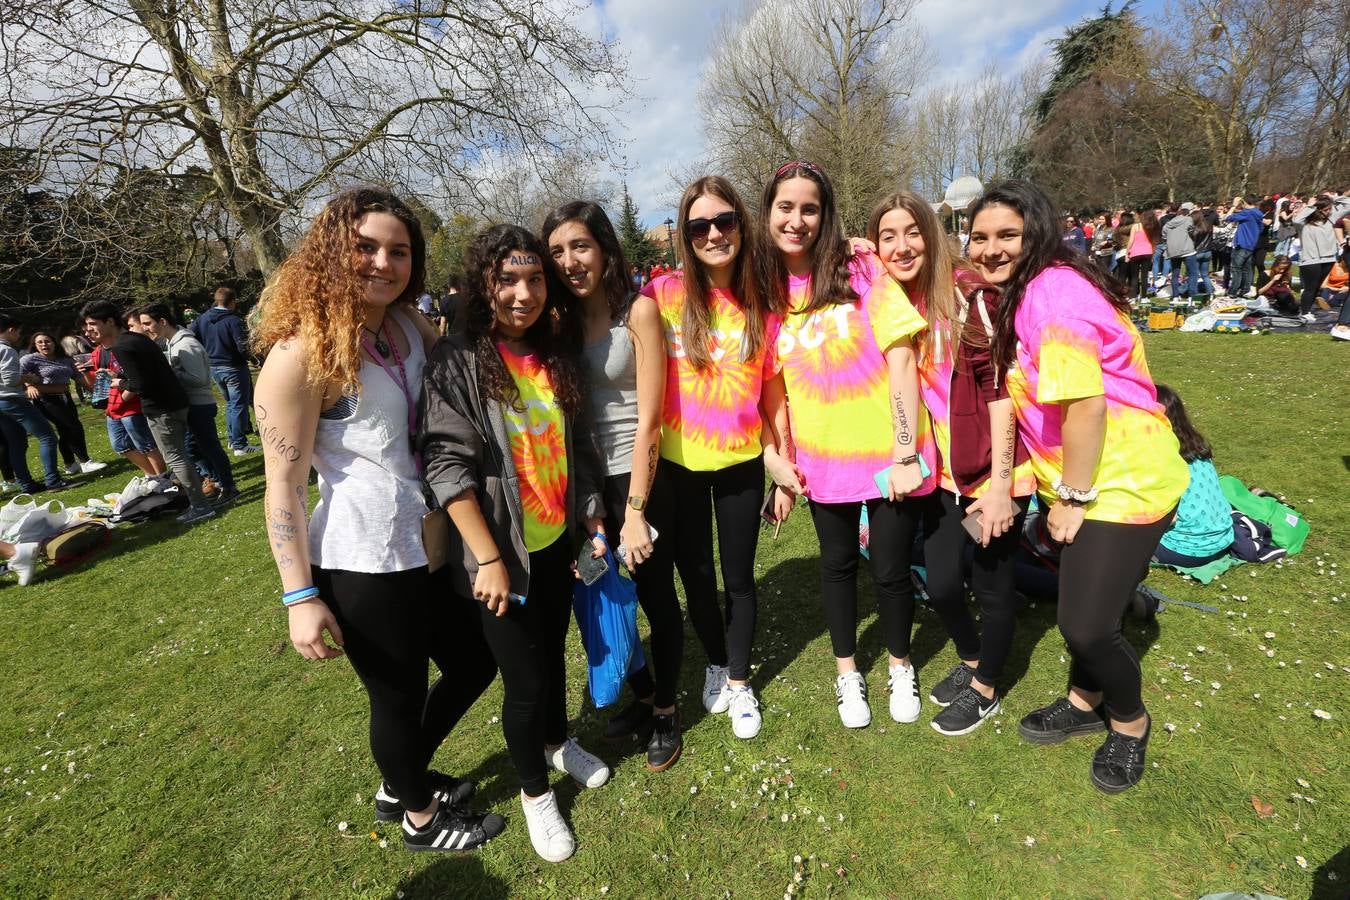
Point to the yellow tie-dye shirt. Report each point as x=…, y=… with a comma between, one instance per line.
x=1073, y=344
x=538, y=449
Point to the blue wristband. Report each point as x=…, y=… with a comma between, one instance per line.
x=290, y=598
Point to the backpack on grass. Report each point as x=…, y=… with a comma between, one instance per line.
x=75, y=542
x=1288, y=529
x=151, y=506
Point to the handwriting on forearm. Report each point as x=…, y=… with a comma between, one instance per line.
x=274, y=439
x=651, y=467
x=1006, y=457
x=903, y=436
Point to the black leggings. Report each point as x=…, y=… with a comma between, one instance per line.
x=528, y=644
x=1137, y=271
x=1098, y=573
x=392, y=624
x=734, y=495
x=655, y=580
x=891, y=528
x=993, y=578
x=1311, y=276
x=60, y=411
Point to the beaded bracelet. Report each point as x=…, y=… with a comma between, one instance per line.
x=290, y=598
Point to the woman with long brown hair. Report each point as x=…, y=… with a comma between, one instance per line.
x=338, y=393
x=983, y=472
x=720, y=350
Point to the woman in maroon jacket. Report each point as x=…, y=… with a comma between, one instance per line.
x=984, y=472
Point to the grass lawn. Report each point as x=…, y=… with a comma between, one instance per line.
x=161, y=738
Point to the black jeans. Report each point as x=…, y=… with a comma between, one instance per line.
x=655, y=580
x=1311, y=275
x=891, y=529
x=60, y=411
x=1098, y=573
x=528, y=644
x=392, y=624
x=734, y=495
x=1137, y=271
x=993, y=577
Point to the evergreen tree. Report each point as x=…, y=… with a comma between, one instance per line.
x=640, y=250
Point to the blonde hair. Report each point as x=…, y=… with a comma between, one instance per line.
x=317, y=293
x=934, y=290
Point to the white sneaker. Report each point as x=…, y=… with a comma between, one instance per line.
x=247, y=450
x=92, y=465
x=72, y=469
x=743, y=709
x=1251, y=292
x=1164, y=292
x=716, y=691
x=1308, y=318
x=24, y=562
x=587, y=770
x=7, y=486
x=904, y=685
x=549, y=834
x=852, y=693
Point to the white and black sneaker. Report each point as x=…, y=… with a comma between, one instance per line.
x=453, y=828
x=965, y=713
x=444, y=788
x=904, y=685
x=716, y=691
x=851, y=691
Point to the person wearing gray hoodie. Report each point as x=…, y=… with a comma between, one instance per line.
x=1179, y=241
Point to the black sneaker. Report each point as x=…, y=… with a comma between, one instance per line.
x=1118, y=764
x=222, y=496
x=445, y=788
x=949, y=688
x=965, y=713
x=634, y=723
x=1059, y=721
x=453, y=828
x=665, y=744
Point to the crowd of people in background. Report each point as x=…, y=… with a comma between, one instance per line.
x=1188, y=250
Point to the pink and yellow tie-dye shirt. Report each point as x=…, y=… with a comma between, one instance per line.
x=1073, y=344
x=838, y=387
x=538, y=449
x=935, y=387
x=711, y=417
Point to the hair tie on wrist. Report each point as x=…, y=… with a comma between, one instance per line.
x=290, y=598
x=497, y=558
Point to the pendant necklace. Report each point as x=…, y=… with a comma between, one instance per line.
x=380, y=345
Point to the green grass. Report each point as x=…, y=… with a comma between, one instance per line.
x=161, y=738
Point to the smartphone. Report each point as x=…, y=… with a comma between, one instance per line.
x=971, y=524
x=622, y=552
x=766, y=511
x=883, y=478
x=517, y=599
x=589, y=569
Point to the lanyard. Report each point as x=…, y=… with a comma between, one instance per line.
x=401, y=379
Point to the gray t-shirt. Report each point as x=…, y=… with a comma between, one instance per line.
x=613, y=369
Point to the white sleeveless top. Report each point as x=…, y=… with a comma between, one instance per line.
x=369, y=514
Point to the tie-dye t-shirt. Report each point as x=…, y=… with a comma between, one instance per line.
x=935, y=386
x=711, y=417
x=838, y=388
x=1073, y=344
x=538, y=449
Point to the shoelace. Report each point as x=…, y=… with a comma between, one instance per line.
x=740, y=700
x=900, y=675
x=546, y=809
x=849, y=687
x=1123, y=751
x=968, y=699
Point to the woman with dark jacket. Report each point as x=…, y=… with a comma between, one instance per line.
x=509, y=455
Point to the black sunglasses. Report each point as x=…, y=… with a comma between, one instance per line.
x=726, y=223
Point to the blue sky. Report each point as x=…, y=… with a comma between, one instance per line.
x=667, y=45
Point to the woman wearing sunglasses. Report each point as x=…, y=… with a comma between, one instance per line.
x=624, y=347
x=1107, y=462
x=856, y=424
x=720, y=337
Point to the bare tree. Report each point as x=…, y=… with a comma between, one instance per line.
x=938, y=139
x=279, y=102
x=813, y=78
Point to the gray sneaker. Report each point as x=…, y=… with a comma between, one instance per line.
x=193, y=516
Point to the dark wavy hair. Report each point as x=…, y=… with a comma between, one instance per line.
x=1122, y=232
x=1149, y=220
x=618, y=291
x=1193, y=444
x=696, y=318
x=829, y=254
x=1042, y=247
x=483, y=267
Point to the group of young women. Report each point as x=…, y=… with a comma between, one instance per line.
x=885, y=375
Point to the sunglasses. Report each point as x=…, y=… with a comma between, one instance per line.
x=699, y=229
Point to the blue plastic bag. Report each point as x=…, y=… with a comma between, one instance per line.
x=607, y=618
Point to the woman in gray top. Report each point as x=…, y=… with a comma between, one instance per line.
x=624, y=348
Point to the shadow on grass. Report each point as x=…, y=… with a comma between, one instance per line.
x=1331, y=881
x=457, y=875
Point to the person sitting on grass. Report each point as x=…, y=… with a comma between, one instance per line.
x=1203, y=530
x=21, y=559
x=1277, y=289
